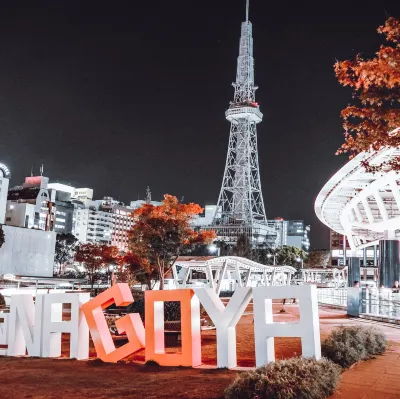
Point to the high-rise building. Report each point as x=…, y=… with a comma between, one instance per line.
x=31, y=205
x=298, y=235
x=240, y=209
x=294, y=233
x=104, y=221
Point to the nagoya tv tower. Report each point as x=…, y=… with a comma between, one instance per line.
x=240, y=207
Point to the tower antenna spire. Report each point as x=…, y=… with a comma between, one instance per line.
x=247, y=10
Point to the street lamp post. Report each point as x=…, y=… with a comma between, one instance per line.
x=274, y=258
x=300, y=260
x=111, y=270
x=214, y=249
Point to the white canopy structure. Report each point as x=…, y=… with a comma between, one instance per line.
x=225, y=273
x=362, y=205
x=337, y=277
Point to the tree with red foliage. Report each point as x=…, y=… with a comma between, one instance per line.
x=96, y=258
x=162, y=233
x=375, y=122
x=133, y=269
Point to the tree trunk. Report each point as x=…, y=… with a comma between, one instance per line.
x=161, y=281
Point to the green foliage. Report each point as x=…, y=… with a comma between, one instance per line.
x=2, y=237
x=97, y=363
x=172, y=310
x=243, y=247
x=226, y=294
x=288, y=256
x=296, y=378
x=348, y=345
x=2, y=301
x=318, y=258
x=64, y=251
x=152, y=363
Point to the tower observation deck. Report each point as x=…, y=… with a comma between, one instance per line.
x=240, y=207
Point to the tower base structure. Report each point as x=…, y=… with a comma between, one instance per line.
x=353, y=271
x=389, y=262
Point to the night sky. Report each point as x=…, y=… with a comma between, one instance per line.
x=120, y=95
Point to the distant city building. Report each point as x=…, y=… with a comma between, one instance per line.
x=339, y=257
x=298, y=235
x=205, y=218
x=105, y=221
x=280, y=226
x=64, y=211
x=294, y=233
x=138, y=203
x=31, y=205
x=4, y=181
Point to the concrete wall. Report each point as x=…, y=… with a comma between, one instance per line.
x=27, y=252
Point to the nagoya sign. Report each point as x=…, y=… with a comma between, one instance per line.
x=35, y=329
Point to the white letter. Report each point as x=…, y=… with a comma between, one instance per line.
x=53, y=326
x=25, y=325
x=225, y=320
x=265, y=329
x=3, y=333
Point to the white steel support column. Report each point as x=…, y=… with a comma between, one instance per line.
x=368, y=211
x=238, y=276
x=221, y=276
x=210, y=277
x=358, y=213
x=381, y=206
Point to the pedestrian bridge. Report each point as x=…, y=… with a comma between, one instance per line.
x=225, y=273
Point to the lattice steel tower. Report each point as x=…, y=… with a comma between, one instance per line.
x=240, y=204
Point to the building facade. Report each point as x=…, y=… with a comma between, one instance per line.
x=31, y=205
x=294, y=233
x=105, y=221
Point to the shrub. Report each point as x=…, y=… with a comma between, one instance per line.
x=348, y=345
x=2, y=301
x=172, y=310
x=225, y=294
x=296, y=378
x=152, y=363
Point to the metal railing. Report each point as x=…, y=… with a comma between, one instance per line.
x=332, y=296
x=380, y=302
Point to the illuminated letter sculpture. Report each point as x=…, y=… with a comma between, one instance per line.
x=131, y=324
x=225, y=320
x=3, y=333
x=25, y=325
x=265, y=329
x=190, y=328
x=53, y=325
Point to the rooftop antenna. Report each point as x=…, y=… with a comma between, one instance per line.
x=247, y=10
x=148, y=195
x=41, y=170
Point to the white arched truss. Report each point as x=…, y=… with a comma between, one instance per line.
x=220, y=270
x=363, y=206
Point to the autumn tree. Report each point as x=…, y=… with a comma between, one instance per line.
x=162, y=233
x=243, y=247
x=373, y=122
x=64, y=250
x=318, y=258
x=96, y=258
x=133, y=269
